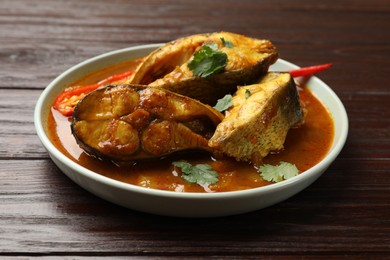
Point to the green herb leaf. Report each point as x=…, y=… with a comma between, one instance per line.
x=227, y=43
x=208, y=61
x=224, y=103
x=247, y=93
x=201, y=174
x=278, y=173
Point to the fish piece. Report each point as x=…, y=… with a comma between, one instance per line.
x=167, y=67
x=259, y=119
x=132, y=122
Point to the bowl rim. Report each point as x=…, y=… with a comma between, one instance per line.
x=53, y=151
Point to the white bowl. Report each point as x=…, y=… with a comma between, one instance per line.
x=173, y=203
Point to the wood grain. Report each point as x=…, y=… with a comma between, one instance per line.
x=345, y=214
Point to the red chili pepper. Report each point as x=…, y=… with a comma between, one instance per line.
x=116, y=77
x=307, y=71
x=67, y=100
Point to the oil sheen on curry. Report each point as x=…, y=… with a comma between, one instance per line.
x=199, y=114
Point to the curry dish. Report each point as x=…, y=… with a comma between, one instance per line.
x=118, y=130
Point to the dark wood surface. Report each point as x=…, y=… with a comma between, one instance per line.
x=345, y=213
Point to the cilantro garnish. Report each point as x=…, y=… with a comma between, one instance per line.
x=208, y=61
x=224, y=103
x=247, y=93
x=201, y=174
x=227, y=43
x=278, y=173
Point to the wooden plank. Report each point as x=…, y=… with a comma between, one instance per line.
x=17, y=133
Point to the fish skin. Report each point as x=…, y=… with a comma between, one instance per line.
x=133, y=122
x=167, y=67
x=258, y=124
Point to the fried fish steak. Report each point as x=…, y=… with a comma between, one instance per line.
x=167, y=67
x=132, y=122
x=259, y=119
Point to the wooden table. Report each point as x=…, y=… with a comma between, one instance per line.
x=345, y=213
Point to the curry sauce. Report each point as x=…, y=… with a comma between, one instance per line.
x=305, y=146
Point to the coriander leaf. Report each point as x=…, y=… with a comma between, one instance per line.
x=224, y=103
x=227, y=43
x=201, y=174
x=208, y=61
x=247, y=93
x=278, y=173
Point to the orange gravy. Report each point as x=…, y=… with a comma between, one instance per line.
x=305, y=146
